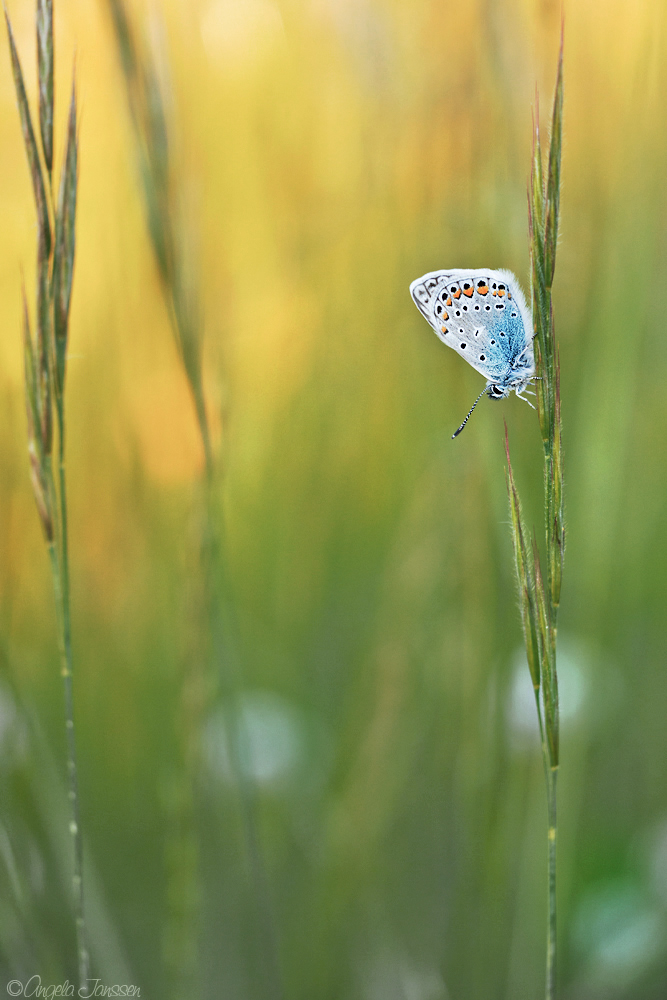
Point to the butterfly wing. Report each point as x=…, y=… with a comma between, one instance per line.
x=481, y=314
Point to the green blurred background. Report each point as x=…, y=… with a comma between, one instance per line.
x=383, y=837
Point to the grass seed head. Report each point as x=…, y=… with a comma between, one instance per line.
x=30, y=144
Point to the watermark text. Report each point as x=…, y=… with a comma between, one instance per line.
x=34, y=987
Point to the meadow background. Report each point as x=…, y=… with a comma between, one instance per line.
x=383, y=835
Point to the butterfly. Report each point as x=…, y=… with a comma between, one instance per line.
x=483, y=316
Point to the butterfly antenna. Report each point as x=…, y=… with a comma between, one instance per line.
x=456, y=433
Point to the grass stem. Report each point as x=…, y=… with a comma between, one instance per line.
x=539, y=602
x=45, y=368
x=552, y=833
x=153, y=141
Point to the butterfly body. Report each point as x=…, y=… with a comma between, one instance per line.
x=483, y=316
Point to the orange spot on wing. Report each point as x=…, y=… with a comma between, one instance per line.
x=483, y=289
x=501, y=292
x=468, y=291
x=457, y=293
x=449, y=301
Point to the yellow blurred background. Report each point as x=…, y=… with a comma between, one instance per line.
x=326, y=153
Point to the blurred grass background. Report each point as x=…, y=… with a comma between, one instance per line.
x=328, y=153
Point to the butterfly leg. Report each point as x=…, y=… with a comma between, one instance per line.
x=518, y=392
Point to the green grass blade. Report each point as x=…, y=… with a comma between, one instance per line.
x=63, y=265
x=30, y=144
x=44, y=347
x=148, y=110
x=542, y=386
x=557, y=529
x=149, y=120
x=536, y=189
x=158, y=186
x=549, y=680
x=35, y=444
x=525, y=574
x=125, y=40
x=45, y=77
x=553, y=177
x=30, y=373
x=543, y=228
